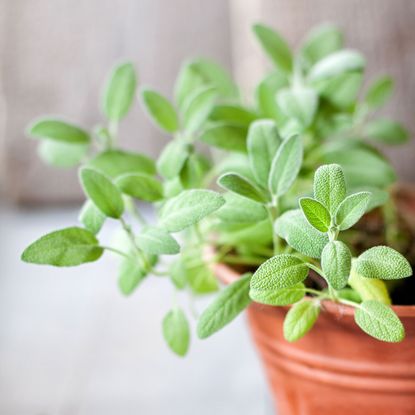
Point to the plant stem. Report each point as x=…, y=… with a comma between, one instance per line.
x=273, y=215
x=235, y=259
x=115, y=250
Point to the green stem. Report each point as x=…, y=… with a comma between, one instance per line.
x=235, y=259
x=273, y=215
x=115, y=250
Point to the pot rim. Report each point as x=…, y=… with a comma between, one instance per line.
x=228, y=275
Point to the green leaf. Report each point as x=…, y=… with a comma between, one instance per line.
x=336, y=63
x=266, y=92
x=316, y=214
x=225, y=136
x=114, y=163
x=369, y=289
x=141, y=186
x=281, y=271
x=160, y=110
x=60, y=154
x=188, y=208
x=379, y=321
x=299, y=234
x=336, y=261
x=201, y=279
x=379, y=92
x=300, y=319
x=238, y=209
x=64, y=248
x=178, y=275
x=275, y=47
x=299, y=103
x=58, y=130
x=119, y=92
x=279, y=297
x=227, y=305
x=386, y=131
x=362, y=167
x=321, y=41
x=176, y=331
x=91, y=217
x=157, y=241
x=330, y=186
x=194, y=171
x=105, y=195
x=173, y=158
x=286, y=166
x=263, y=142
x=384, y=263
x=203, y=72
x=352, y=209
x=132, y=272
x=232, y=114
x=197, y=107
x=240, y=185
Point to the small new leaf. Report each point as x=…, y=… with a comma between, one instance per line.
x=286, y=166
x=227, y=305
x=379, y=92
x=173, y=158
x=176, y=331
x=336, y=261
x=188, y=208
x=60, y=154
x=64, y=248
x=281, y=271
x=383, y=263
x=157, y=241
x=160, y=110
x=300, y=319
x=131, y=273
x=330, y=186
x=279, y=297
x=119, y=92
x=240, y=185
x=58, y=130
x=379, y=321
x=105, y=195
x=352, y=209
x=263, y=142
x=316, y=214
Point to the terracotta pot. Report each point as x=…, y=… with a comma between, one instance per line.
x=336, y=369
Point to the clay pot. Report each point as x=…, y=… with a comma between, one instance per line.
x=336, y=369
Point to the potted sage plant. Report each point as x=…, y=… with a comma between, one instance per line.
x=296, y=212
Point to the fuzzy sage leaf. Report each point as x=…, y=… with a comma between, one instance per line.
x=105, y=195
x=227, y=306
x=59, y=131
x=240, y=185
x=316, y=214
x=379, y=321
x=176, y=331
x=279, y=297
x=352, y=209
x=91, y=217
x=300, y=319
x=157, y=241
x=384, y=263
x=336, y=262
x=64, y=248
x=141, y=186
x=188, y=208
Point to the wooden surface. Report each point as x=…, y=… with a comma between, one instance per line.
x=383, y=30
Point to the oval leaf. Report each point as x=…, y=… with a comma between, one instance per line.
x=188, y=208
x=105, y=195
x=330, y=186
x=263, y=142
x=281, y=271
x=132, y=272
x=379, y=321
x=286, y=166
x=379, y=92
x=120, y=91
x=141, y=186
x=352, y=209
x=383, y=263
x=60, y=154
x=300, y=319
x=58, y=130
x=386, y=131
x=176, y=331
x=173, y=158
x=157, y=241
x=91, y=217
x=160, y=110
x=238, y=209
x=336, y=261
x=227, y=305
x=240, y=185
x=225, y=136
x=316, y=214
x=64, y=248
x=281, y=297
